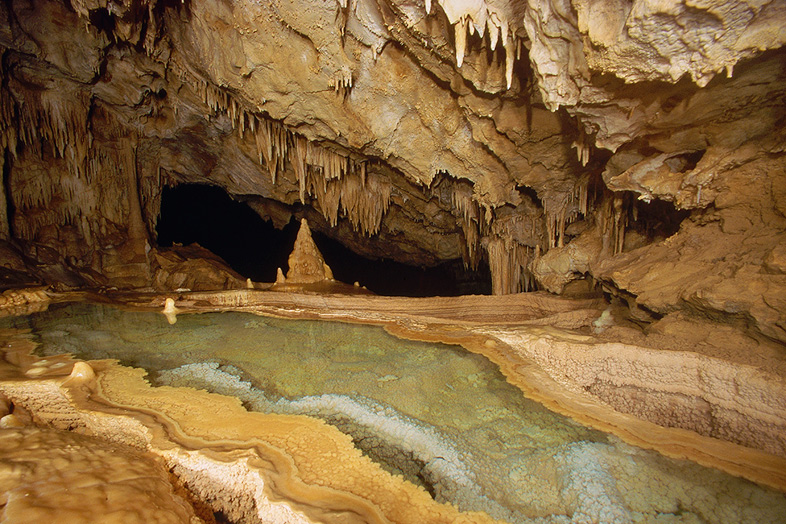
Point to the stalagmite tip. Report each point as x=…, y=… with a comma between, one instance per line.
x=82, y=373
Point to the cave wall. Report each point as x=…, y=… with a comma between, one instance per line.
x=539, y=136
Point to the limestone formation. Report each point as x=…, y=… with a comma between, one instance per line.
x=306, y=264
x=418, y=132
x=84, y=479
x=630, y=150
x=684, y=396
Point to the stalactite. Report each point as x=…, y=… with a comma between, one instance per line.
x=49, y=192
x=468, y=210
x=341, y=81
x=620, y=222
x=461, y=40
x=581, y=194
x=612, y=219
x=365, y=203
x=562, y=213
x=488, y=20
x=509, y=264
x=583, y=145
x=5, y=228
x=298, y=160
x=509, y=257
x=8, y=129
x=264, y=143
x=52, y=117
x=336, y=183
x=151, y=184
x=509, y=44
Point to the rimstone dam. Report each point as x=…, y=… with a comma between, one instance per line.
x=393, y=261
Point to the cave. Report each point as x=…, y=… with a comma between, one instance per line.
x=207, y=216
x=333, y=228
x=255, y=248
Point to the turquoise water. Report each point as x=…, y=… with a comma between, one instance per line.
x=440, y=416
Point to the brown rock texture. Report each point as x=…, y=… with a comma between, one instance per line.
x=84, y=479
x=637, y=144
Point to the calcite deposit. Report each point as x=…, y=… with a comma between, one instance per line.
x=625, y=157
x=491, y=131
x=273, y=464
x=41, y=469
x=306, y=263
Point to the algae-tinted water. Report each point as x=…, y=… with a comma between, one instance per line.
x=441, y=416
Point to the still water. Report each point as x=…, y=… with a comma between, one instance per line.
x=442, y=417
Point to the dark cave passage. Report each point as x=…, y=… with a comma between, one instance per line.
x=388, y=277
x=253, y=247
x=208, y=216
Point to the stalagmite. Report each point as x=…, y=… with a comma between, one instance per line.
x=170, y=310
x=81, y=374
x=306, y=264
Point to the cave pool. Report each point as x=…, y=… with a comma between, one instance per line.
x=441, y=416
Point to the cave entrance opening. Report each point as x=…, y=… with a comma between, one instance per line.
x=255, y=248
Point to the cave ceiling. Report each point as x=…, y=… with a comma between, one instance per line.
x=638, y=142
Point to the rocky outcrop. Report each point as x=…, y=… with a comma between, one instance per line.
x=423, y=132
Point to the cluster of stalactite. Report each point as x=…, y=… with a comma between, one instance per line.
x=512, y=238
x=470, y=18
x=612, y=218
x=590, y=200
x=90, y=183
x=332, y=181
x=509, y=238
x=46, y=118
x=152, y=182
x=573, y=206
x=67, y=177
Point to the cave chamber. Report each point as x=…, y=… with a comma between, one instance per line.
x=393, y=260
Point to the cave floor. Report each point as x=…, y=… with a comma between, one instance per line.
x=644, y=387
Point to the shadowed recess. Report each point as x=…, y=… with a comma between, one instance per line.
x=255, y=248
